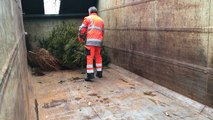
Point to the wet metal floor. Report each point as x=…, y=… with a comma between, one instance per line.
x=119, y=95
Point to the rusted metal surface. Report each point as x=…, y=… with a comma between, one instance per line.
x=120, y=94
x=169, y=42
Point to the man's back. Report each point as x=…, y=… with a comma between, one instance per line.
x=95, y=29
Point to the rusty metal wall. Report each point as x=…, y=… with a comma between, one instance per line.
x=16, y=98
x=168, y=42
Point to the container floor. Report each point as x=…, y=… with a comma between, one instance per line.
x=119, y=95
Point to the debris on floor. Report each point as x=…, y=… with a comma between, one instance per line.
x=110, y=98
x=77, y=78
x=77, y=98
x=37, y=72
x=166, y=113
x=54, y=103
x=124, y=80
x=149, y=93
x=61, y=81
x=93, y=94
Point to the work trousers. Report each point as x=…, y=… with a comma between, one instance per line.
x=93, y=52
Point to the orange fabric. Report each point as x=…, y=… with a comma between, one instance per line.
x=93, y=25
x=94, y=53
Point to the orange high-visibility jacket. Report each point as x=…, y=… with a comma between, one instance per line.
x=94, y=26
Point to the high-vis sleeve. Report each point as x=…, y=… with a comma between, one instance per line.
x=83, y=27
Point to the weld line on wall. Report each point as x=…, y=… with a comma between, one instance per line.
x=170, y=61
x=198, y=30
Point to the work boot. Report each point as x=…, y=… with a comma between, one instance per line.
x=99, y=74
x=89, y=77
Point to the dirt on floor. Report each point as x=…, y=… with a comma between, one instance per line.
x=119, y=95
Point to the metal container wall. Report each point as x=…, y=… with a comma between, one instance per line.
x=168, y=42
x=16, y=93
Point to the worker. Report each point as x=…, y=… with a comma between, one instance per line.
x=93, y=26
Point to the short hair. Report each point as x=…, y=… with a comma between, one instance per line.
x=92, y=10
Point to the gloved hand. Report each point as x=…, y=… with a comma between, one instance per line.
x=80, y=39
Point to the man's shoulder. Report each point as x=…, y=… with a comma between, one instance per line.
x=91, y=17
x=86, y=17
x=100, y=18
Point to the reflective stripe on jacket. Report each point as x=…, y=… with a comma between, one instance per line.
x=93, y=25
